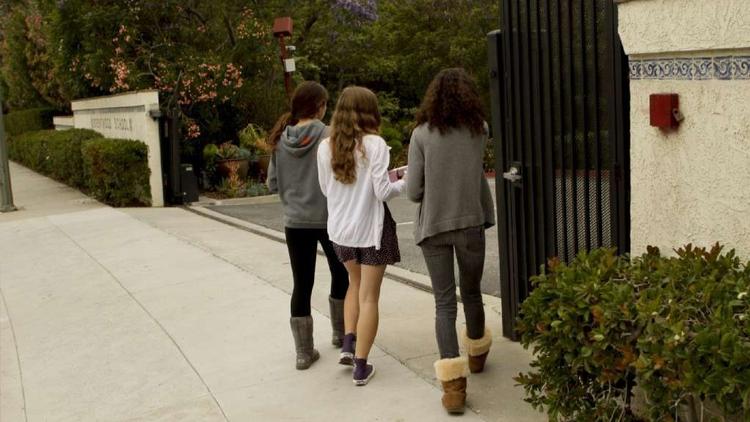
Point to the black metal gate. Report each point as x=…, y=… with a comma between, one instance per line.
x=560, y=116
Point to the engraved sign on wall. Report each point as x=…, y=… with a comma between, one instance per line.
x=126, y=116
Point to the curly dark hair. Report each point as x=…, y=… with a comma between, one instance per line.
x=452, y=101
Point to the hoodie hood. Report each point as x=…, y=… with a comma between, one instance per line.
x=299, y=140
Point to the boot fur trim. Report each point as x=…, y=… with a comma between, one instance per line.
x=451, y=369
x=477, y=347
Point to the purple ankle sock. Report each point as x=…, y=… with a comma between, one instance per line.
x=348, y=345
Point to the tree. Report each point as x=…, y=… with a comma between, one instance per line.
x=217, y=62
x=16, y=66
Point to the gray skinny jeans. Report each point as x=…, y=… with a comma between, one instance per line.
x=468, y=245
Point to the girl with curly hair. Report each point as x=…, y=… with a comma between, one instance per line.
x=353, y=175
x=446, y=178
x=292, y=173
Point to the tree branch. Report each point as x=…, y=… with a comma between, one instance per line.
x=230, y=30
x=195, y=13
x=309, y=23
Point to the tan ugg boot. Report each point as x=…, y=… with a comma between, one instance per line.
x=477, y=349
x=452, y=374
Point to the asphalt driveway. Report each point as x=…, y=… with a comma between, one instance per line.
x=403, y=211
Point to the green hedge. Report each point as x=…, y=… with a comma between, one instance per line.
x=117, y=172
x=113, y=171
x=56, y=154
x=652, y=338
x=22, y=121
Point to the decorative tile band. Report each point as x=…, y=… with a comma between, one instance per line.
x=692, y=68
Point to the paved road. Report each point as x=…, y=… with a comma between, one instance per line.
x=269, y=215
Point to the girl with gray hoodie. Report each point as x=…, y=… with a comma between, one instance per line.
x=293, y=174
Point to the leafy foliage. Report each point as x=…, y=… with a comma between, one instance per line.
x=696, y=337
x=116, y=171
x=579, y=321
x=217, y=61
x=18, y=122
x=253, y=138
x=233, y=185
x=56, y=154
x=228, y=151
x=257, y=189
x=489, y=155
x=674, y=327
x=16, y=49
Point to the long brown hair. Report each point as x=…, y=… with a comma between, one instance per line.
x=452, y=101
x=307, y=100
x=356, y=115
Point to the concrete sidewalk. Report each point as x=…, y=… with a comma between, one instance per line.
x=164, y=315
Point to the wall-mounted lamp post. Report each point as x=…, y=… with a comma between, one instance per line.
x=282, y=28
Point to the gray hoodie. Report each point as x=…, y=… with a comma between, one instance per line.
x=293, y=174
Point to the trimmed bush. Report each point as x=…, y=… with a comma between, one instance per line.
x=578, y=320
x=56, y=154
x=672, y=332
x=22, y=121
x=695, y=343
x=116, y=171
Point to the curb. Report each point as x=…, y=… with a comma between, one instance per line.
x=416, y=280
x=256, y=200
x=400, y=275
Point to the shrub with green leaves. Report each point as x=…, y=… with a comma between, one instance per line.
x=676, y=328
x=22, y=121
x=253, y=138
x=257, y=189
x=488, y=161
x=56, y=154
x=116, y=171
x=394, y=138
x=695, y=345
x=579, y=321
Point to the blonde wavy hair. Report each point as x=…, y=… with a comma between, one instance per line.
x=356, y=115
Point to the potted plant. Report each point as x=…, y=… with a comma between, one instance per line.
x=253, y=138
x=230, y=159
x=234, y=186
x=209, y=174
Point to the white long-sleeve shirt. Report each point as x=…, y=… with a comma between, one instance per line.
x=355, y=211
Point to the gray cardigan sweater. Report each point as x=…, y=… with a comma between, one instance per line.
x=446, y=178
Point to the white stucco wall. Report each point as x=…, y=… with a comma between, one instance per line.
x=659, y=26
x=63, y=122
x=691, y=185
x=126, y=116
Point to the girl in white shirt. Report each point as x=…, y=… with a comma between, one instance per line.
x=353, y=175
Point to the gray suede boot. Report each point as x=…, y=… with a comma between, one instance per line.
x=337, y=320
x=302, y=330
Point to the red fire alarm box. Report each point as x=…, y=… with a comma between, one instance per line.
x=665, y=111
x=282, y=27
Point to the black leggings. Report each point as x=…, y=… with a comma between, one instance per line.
x=303, y=253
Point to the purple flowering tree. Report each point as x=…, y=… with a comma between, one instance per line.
x=362, y=11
